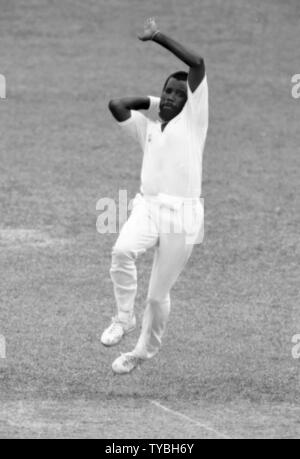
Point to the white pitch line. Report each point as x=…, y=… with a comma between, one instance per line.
x=187, y=418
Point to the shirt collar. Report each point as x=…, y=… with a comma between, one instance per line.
x=173, y=120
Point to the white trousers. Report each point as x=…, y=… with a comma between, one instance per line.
x=172, y=226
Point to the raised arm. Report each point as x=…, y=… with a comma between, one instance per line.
x=191, y=59
x=120, y=108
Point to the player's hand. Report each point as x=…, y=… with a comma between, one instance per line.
x=150, y=29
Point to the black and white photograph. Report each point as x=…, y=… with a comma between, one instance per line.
x=149, y=222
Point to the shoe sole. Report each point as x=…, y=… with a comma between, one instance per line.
x=125, y=373
x=127, y=332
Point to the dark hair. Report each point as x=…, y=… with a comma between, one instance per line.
x=181, y=76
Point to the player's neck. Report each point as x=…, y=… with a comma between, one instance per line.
x=163, y=124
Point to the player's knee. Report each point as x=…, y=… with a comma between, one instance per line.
x=159, y=300
x=122, y=254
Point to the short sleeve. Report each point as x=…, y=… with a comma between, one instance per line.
x=136, y=127
x=153, y=111
x=154, y=104
x=197, y=103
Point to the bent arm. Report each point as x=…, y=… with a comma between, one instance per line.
x=120, y=108
x=194, y=61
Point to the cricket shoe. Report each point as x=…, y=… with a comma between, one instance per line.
x=116, y=331
x=126, y=363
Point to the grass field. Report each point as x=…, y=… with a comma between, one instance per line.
x=226, y=368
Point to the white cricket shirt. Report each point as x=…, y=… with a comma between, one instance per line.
x=172, y=162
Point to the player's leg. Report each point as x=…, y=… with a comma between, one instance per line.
x=137, y=235
x=171, y=258
x=172, y=255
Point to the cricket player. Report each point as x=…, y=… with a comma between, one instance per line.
x=170, y=183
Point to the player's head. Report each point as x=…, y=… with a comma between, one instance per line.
x=174, y=96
